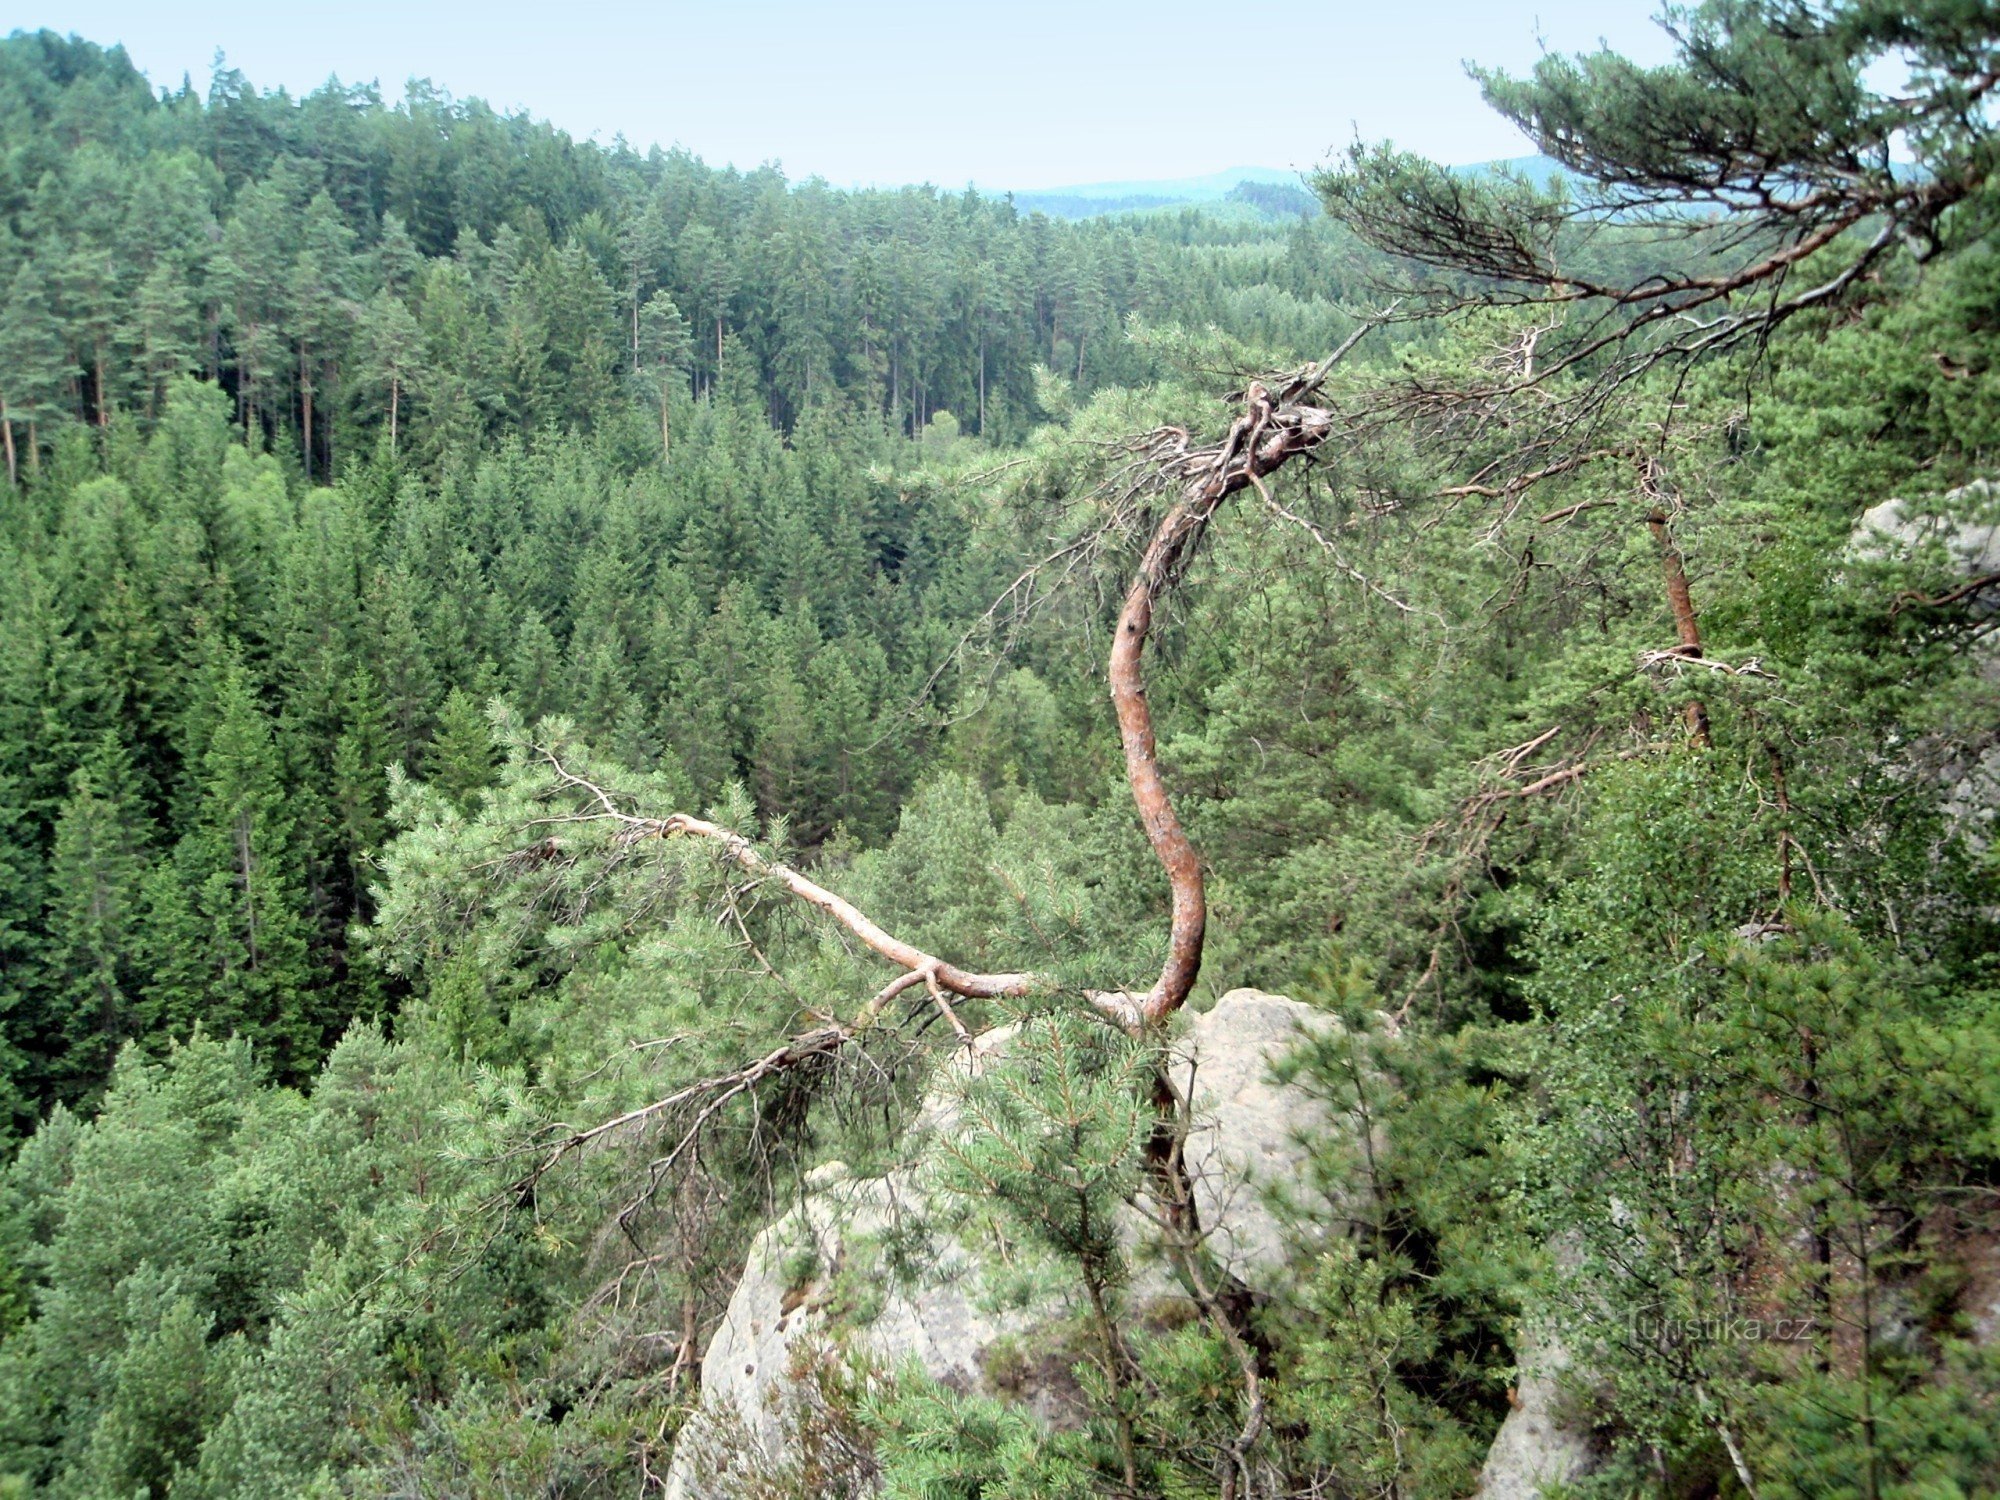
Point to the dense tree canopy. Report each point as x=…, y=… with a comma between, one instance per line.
x=409, y=508
x=345, y=268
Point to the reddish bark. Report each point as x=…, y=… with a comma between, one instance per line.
x=1267, y=434
x=1271, y=431
x=1685, y=626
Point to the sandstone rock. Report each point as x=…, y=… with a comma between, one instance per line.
x=789, y=1281
x=1965, y=523
x=1246, y=1143
x=1534, y=1447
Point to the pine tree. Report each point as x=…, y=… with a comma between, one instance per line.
x=168, y=325
x=459, y=1010
x=574, y=314
x=391, y=358
x=252, y=271
x=322, y=315
x=90, y=284
x=97, y=874
x=397, y=261
x=642, y=245
x=169, y=1385
x=1049, y=1143
x=802, y=309
x=101, y=572
x=1768, y=119
x=251, y=525
x=705, y=271
x=33, y=366
x=663, y=349
x=358, y=799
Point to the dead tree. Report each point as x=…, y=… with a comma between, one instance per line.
x=1273, y=428
x=1277, y=423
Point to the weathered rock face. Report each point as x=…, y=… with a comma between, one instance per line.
x=1243, y=1151
x=1246, y=1144
x=1965, y=525
x=1535, y=1447
x=787, y=1292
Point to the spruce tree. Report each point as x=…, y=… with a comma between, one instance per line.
x=401, y=662
x=359, y=791
x=96, y=882
x=227, y=931
x=535, y=672
x=461, y=758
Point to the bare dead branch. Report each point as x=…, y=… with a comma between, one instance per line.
x=1520, y=482
x=1911, y=599
x=741, y=852
x=1674, y=658
x=1333, y=552
x=1572, y=510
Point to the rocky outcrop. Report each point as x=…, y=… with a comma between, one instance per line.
x=1963, y=524
x=812, y=1273
x=1243, y=1151
x=1536, y=1446
x=817, y=1273
x=796, y=1282
x=1962, y=528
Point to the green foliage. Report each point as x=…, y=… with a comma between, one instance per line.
x=97, y=882
x=228, y=947
x=415, y=280
x=1367, y=1425
x=1690, y=1068
x=1054, y=1140
x=369, y=463
x=935, y=1444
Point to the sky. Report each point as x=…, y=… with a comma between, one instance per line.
x=1023, y=94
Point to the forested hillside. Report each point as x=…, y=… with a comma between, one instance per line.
x=619, y=437
x=460, y=587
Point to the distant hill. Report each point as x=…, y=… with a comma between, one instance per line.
x=1269, y=192
x=1537, y=169
x=1091, y=199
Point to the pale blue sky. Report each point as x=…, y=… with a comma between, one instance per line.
x=1032, y=93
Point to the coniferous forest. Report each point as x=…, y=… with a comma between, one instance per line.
x=555, y=701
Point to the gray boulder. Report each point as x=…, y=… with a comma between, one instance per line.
x=1245, y=1151
x=1964, y=523
x=1534, y=1447
x=1246, y=1145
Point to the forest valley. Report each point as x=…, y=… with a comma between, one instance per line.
x=546, y=692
